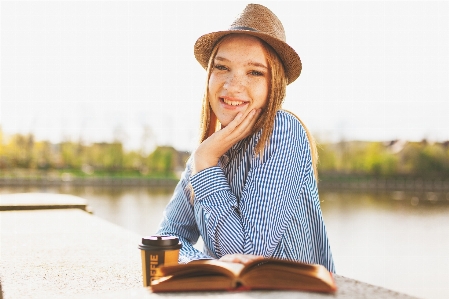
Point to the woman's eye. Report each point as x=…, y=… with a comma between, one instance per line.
x=256, y=73
x=220, y=67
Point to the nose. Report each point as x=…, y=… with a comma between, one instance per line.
x=234, y=82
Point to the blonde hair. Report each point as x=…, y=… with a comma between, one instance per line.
x=277, y=92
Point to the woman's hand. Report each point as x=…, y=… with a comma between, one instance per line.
x=240, y=258
x=211, y=149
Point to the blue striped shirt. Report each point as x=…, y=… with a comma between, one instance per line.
x=251, y=205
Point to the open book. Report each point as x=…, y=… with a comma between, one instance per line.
x=210, y=275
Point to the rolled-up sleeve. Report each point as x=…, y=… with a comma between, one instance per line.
x=179, y=220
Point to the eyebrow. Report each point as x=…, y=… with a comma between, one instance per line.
x=253, y=63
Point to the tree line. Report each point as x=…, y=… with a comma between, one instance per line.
x=23, y=152
x=395, y=158
x=386, y=159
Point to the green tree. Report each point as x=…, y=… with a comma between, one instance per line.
x=161, y=161
x=42, y=155
x=431, y=160
x=327, y=158
x=18, y=151
x=106, y=156
x=379, y=161
x=71, y=154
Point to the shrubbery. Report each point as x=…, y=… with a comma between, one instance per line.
x=23, y=152
x=396, y=158
x=418, y=159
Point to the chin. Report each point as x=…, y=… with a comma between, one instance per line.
x=224, y=123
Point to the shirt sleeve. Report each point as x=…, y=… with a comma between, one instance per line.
x=179, y=220
x=256, y=222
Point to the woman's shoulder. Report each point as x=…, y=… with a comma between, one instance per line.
x=288, y=138
x=287, y=115
x=288, y=134
x=287, y=124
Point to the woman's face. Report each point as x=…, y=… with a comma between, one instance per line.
x=240, y=77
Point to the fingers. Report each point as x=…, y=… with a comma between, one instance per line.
x=246, y=126
x=242, y=125
x=235, y=122
x=211, y=149
x=252, y=122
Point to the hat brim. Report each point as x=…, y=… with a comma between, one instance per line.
x=291, y=60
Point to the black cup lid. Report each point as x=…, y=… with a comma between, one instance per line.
x=160, y=241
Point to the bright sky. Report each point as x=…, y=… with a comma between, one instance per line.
x=372, y=70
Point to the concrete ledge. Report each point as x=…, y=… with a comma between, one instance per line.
x=65, y=252
x=41, y=201
x=68, y=253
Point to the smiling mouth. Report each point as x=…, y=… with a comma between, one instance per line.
x=232, y=102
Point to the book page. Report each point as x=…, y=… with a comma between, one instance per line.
x=202, y=267
x=284, y=274
x=283, y=264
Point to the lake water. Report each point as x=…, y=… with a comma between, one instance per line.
x=397, y=240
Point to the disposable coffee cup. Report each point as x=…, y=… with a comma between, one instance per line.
x=157, y=251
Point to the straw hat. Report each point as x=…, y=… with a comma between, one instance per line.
x=259, y=21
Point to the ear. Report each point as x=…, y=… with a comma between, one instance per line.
x=212, y=123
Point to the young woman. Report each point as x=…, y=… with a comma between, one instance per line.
x=250, y=188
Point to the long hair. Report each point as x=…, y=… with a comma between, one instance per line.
x=277, y=92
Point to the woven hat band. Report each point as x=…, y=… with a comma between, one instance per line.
x=242, y=28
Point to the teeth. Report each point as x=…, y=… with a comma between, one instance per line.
x=232, y=103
